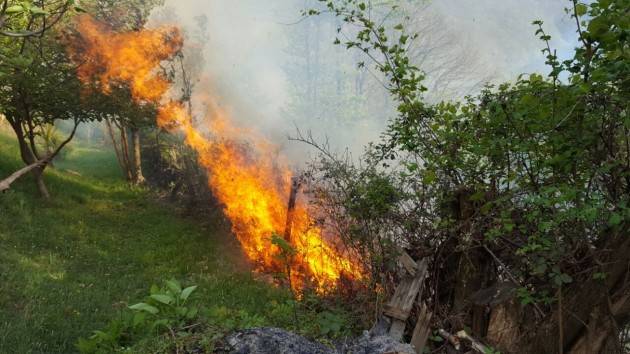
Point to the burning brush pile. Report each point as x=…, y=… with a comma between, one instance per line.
x=276, y=232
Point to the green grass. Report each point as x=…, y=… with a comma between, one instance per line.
x=69, y=265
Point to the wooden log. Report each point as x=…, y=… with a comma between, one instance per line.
x=422, y=330
x=403, y=300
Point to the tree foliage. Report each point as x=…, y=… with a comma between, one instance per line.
x=527, y=183
x=39, y=84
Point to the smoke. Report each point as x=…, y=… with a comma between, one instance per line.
x=503, y=33
x=273, y=71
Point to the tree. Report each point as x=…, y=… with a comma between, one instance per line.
x=39, y=86
x=172, y=163
x=520, y=196
x=129, y=117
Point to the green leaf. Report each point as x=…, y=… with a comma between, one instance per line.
x=37, y=11
x=581, y=9
x=20, y=61
x=436, y=339
x=15, y=9
x=189, y=290
x=192, y=313
x=162, y=298
x=598, y=26
x=145, y=307
x=160, y=323
x=615, y=219
x=174, y=286
x=138, y=319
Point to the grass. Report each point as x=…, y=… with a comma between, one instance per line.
x=69, y=265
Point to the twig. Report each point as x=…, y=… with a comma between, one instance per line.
x=191, y=326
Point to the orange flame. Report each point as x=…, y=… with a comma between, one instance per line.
x=245, y=175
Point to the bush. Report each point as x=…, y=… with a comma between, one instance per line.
x=525, y=187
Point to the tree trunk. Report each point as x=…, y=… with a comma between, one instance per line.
x=137, y=158
x=39, y=179
x=31, y=138
x=117, y=151
x=28, y=157
x=124, y=142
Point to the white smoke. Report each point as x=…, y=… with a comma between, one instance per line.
x=248, y=58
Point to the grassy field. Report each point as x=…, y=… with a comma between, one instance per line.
x=69, y=265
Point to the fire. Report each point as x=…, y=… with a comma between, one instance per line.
x=245, y=172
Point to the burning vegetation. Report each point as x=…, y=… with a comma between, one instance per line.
x=245, y=174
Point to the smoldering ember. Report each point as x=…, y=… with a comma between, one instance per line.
x=315, y=176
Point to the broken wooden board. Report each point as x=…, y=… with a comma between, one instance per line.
x=401, y=304
x=408, y=263
x=422, y=330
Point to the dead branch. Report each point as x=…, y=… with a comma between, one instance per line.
x=450, y=338
x=474, y=344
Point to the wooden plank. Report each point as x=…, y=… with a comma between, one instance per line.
x=408, y=263
x=404, y=298
x=395, y=313
x=408, y=289
x=422, y=330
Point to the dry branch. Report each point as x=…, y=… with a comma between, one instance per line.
x=450, y=338
x=456, y=340
x=474, y=344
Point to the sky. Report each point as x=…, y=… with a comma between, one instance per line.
x=245, y=53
